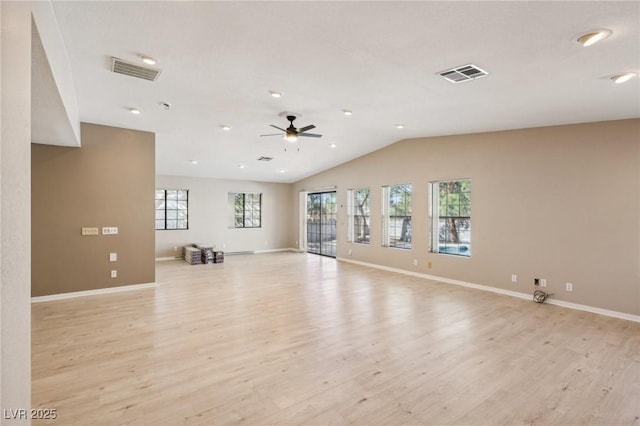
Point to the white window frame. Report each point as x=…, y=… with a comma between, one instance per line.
x=352, y=213
x=434, y=219
x=386, y=211
x=350, y=225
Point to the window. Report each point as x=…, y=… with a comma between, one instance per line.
x=451, y=217
x=359, y=215
x=247, y=210
x=172, y=209
x=396, y=216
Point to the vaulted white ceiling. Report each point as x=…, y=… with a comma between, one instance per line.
x=219, y=60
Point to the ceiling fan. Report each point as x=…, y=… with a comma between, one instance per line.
x=291, y=133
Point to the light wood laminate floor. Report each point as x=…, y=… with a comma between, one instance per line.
x=289, y=338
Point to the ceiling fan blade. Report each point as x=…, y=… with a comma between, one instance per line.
x=305, y=128
x=279, y=128
x=273, y=134
x=310, y=135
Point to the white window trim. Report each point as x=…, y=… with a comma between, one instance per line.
x=434, y=218
x=350, y=210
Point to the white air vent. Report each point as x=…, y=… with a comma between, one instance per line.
x=463, y=73
x=127, y=68
x=265, y=158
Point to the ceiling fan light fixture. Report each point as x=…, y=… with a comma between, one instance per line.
x=291, y=133
x=623, y=77
x=291, y=137
x=592, y=37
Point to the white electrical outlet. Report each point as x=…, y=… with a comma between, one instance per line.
x=569, y=287
x=175, y=248
x=415, y=262
x=543, y=283
x=113, y=257
x=514, y=278
x=350, y=252
x=114, y=274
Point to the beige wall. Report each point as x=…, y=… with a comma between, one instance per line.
x=109, y=181
x=561, y=203
x=208, y=216
x=15, y=252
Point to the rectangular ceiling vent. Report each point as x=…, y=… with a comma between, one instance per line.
x=265, y=158
x=463, y=73
x=134, y=70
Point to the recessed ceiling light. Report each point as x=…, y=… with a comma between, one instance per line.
x=347, y=112
x=225, y=127
x=148, y=60
x=193, y=161
x=275, y=94
x=165, y=105
x=333, y=145
x=623, y=77
x=135, y=111
x=241, y=166
x=592, y=37
x=399, y=126
x=282, y=170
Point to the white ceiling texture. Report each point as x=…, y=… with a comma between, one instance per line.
x=219, y=60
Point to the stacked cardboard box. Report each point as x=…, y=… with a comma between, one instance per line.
x=207, y=253
x=192, y=255
x=218, y=257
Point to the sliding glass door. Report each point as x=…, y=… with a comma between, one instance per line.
x=321, y=223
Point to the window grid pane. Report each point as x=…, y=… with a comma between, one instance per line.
x=398, y=226
x=361, y=216
x=172, y=209
x=247, y=210
x=453, y=217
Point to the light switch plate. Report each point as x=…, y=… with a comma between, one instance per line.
x=89, y=231
x=109, y=230
x=113, y=257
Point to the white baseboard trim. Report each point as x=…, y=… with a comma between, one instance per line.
x=163, y=259
x=594, y=310
x=108, y=290
x=234, y=253
x=275, y=250
x=570, y=305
